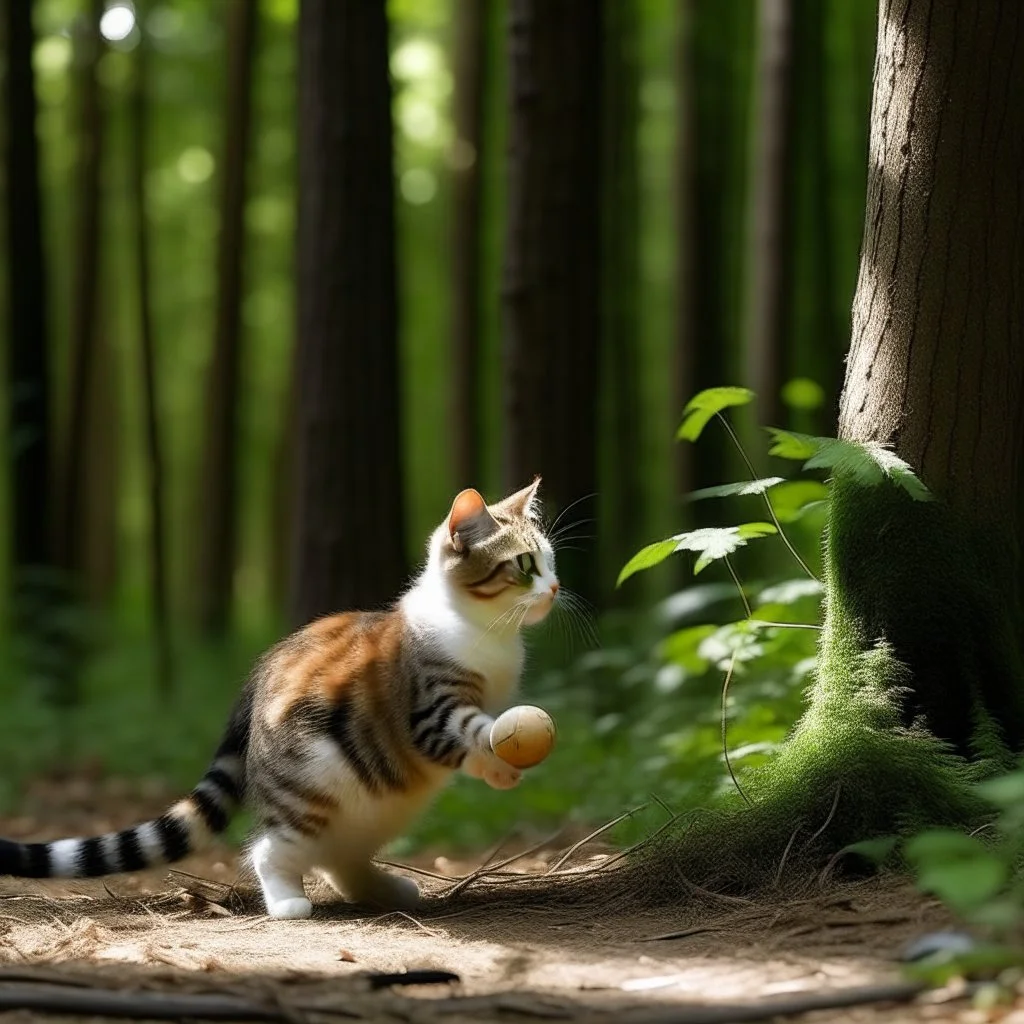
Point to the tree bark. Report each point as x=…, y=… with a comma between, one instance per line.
x=349, y=506
x=85, y=296
x=622, y=512
x=472, y=18
x=936, y=365
x=29, y=376
x=769, y=244
x=154, y=453
x=712, y=51
x=219, y=485
x=552, y=272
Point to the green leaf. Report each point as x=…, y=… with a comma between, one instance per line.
x=868, y=462
x=786, y=444
x=647, y=558
x=710, y=544
x=706, y=404
x=790, y=591
x=715, y=542
x=1004, y=791
x=803, y=393
x=965, y=884
x=943, y=844
x=877, y=850
x=683, y=648
x=740, y=487
x=793, y=498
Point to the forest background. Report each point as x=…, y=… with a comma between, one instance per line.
x=708, y=192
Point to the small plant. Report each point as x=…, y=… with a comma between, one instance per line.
x=761, y=632
x=976, y=875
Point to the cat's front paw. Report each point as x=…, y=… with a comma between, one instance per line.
x=296, y=908
x=496, y=773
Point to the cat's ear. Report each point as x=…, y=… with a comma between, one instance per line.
x=469, y=522
x=520, y=504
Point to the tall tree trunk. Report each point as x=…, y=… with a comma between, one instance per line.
x=147, y=351
x=552, y=273
x=713, y=50
x=936, y=367
x=819, y=339
x=29, y=381
x=85, y=296
x=219, y=487
x=33, y=557
x=685, y=212
x=769, y=254
x=622, y=506
x=472, y=19
x=349, y=508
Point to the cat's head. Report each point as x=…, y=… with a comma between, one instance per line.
x=497, y=558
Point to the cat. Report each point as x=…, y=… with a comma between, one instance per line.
x=345, y=730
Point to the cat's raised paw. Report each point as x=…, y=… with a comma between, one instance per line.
x=502, y=776
x=298, y=908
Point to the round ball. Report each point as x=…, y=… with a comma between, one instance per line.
x=523, y=736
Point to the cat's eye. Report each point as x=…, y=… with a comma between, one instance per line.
x=527, y=564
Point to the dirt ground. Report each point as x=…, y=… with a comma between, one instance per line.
x=200, y=931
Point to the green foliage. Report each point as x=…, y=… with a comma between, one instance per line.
x=710, y=544
x=739, y=489
x=978, y=876
x=866, y=462
x=700, y=409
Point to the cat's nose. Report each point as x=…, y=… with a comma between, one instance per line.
x=554, y=588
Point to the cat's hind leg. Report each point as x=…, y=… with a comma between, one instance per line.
x=280, y=863
x=362, y=882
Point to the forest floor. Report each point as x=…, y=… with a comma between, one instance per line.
x=158, y=935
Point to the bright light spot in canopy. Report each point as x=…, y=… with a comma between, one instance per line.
x=51, y=55
x=117, y=22
x=418, y=186
x=419, y=120
x=417, y=58
x=195, y=165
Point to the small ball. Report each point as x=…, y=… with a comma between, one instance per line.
x=523, y=736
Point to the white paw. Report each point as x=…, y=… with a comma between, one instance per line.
x=298, y=908
x=502, y=776
x=498, y=774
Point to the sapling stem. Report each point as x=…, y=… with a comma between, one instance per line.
x=764, y=494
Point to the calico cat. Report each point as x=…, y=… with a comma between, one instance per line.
x=345, y=730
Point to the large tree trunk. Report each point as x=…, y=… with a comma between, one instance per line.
x=29, y=383
x=621, y=505
x=712, y=55
x=348, y=520
x=154, y=452
x=472, y=20
x=936, y=368
x=552, y=275
x=86, y=347
x=219, y=485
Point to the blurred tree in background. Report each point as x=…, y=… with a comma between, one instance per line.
x=282, y=275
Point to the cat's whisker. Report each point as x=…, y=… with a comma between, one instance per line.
x=580, y=613
x=571, y=525
x=568, y=508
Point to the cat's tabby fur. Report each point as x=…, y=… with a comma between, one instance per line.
x=346, y=729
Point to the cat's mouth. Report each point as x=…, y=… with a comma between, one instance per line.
x=540, y=606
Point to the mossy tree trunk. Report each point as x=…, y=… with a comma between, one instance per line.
x=920, y=679
x=936, y=369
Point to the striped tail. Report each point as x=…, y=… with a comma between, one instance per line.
x=187, y=826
